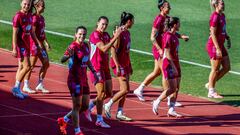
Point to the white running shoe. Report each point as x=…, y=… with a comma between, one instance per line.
x=173, y=113
x=177, y=104
x=155, y=106
x=214, y=95
x=107, y=111
x=139, y=94
x=120, y=116
x=28, y=90
x=17, y=93
x=87, y=114
x=41, y=88
x=101, y=123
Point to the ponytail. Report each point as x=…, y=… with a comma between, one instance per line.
x=125, y=17
x=160, y=3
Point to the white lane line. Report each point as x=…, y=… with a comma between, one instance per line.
x=133, y=50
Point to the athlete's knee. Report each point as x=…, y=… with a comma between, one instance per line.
x=214, y=70
x=26, y=67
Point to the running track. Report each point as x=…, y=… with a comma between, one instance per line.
x=37, y=115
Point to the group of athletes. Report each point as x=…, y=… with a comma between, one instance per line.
x=30, y=43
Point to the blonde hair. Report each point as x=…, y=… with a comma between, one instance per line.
x=213, y=3
x=35, y=2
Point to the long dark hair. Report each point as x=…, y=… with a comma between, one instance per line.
x=160, y=3
x=125, y=17
x=170, y=22
x=103, y=17
x=78, y=28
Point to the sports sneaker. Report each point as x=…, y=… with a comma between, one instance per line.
x=87, y=115
x=139, y=94
x=62, y=125
x=107, y=111
x=17, y=93
x=102, y=124
x=120, y=116
x=155, y=106
x=28, y=90
x=177, y=104
x=41, y=88
x=214, y=95
x=174, y=114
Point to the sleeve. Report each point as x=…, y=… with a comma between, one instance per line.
x=95, y=38
x=34, y=20
x=69, y=51
x=16, y=20
x=157, y=22
x=167, y=42
x=214, y=20
x=178, y=35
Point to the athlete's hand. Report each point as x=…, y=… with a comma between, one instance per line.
x=118, y=68
x=175, y=72
x=48, y=47
x=118, y=31
x=14, y=52
x=185, y=38
x=219, y=53
x=160, y=51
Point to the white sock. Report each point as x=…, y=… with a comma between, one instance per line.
x=77, y=130
x=158, y=100
x=26, y=83
x=141, y=87
x=17, y=84
x=99, y=117
x=120, y=110
x=109, y=103
x=66, y=119
x=211, y=90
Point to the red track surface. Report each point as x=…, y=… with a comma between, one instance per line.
x=37, y=114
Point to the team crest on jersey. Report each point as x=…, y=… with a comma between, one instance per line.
x=85, y=59
x=28, y=28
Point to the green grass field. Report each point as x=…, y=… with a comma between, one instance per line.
x=64, y=16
